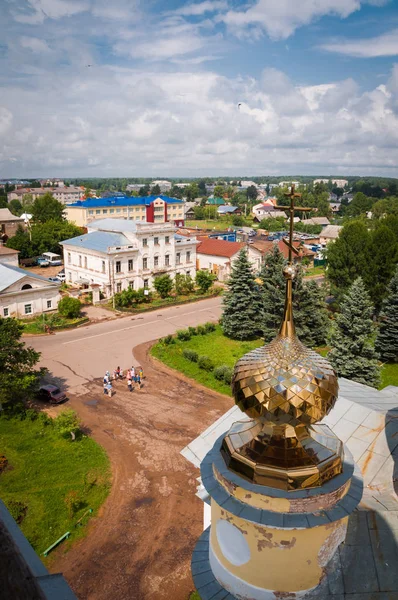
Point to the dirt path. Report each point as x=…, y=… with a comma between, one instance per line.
x=140, y=545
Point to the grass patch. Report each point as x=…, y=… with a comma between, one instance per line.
x=43, y=469
x=54, y=320
x=319, y=270
x=157, y=302
x=222, y=351
x=389, y=375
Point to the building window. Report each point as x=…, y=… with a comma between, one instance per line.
x=137, y=210
x=118, y=266
x=167, y=260
x=189, y=273
x=111, y=211
x=118, y=210
x=103, y=266
x=188, y=256
x=28, y=309
x=145, y=242
x=70, y=276
x=167, y=239
x=146, y=284
x=178, y=258
x=156, y=241
x=144, y=263
x=131, y=285
x=49, y=303
x=98, y=212
x=85, y=262
x=156, y=261
x=5, y=312
x=105, y=211
x=80, y=260
x=69, y=258
x=131, y=264
x=90, y=212
x=118, y=287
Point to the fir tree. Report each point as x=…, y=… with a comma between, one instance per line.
x=353, y=354
x=273, y=292
x=387, y=337
x=309, y=311
x=241, y=318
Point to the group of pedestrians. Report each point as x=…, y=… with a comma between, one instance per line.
x=134, y=375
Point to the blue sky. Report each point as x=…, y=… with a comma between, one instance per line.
x=174, y=88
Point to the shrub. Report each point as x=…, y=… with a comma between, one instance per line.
x=31, y=414
x=191, y=355
x=223, y=373
x=192, y=330
x=201, y=330
x=204, y=280
x=205, y=363
x=183, y=335
x=67, y=423
x=209, y=327
x=183, y=284
x=45, y=419
x=69, y=307
x=163, y=285
x=169, y=340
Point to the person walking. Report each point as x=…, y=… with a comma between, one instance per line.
x=105, y=386
x=141, y=372
x=129, y=384
x=110, y=389
x=138, y=380
x=132, y=373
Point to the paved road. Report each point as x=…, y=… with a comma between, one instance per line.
x=78, y=356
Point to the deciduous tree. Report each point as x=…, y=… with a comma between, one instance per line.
x=47, y=208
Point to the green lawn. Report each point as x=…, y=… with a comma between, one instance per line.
x=389, y=375
x=43, y=468
x=209, y=224
x=222, y=350
x=319, y=270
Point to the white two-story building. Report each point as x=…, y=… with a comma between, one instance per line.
x=116, y=254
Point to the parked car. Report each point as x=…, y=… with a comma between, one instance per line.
x=54, y=279
x=51, y=394
x=61, y=277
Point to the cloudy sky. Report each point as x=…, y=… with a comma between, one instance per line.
x=173, y=88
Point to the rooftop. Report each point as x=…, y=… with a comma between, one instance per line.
x=7, y=251
x=122, y=201
x=6, y=215
x=99, y=241
x=331, y=231
x=10, y=274
x=265, y=246
x=216, y=247
x=225, y=209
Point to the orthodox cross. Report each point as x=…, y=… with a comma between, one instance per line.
x=289, y=243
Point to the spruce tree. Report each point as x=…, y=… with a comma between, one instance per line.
x=273, y=292
x=387, y=337
x=309, y=311
x=352, y=350
x=242, y=314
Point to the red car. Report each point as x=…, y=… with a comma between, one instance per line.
x=51, y=394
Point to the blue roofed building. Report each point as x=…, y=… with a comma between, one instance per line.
x=148, y=209
x=117, y=254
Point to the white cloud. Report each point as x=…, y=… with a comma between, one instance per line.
x=39, y=10
x=200, y=8
x=280, y=18
x=382, y=45
x=34, y=44
x=188, y=123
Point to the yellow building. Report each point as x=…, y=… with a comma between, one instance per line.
x=149, y=209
